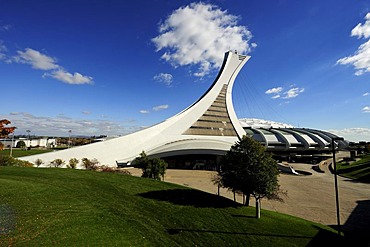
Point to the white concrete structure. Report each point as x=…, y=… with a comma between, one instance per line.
x=38, y=142
x=209, y=126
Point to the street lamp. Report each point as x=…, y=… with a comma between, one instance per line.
x=69, y=138
x=29, y=138
x=335, y=179
x=11, y=146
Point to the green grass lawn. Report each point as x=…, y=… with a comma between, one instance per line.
x=358, y=170
x=19, y=152
x=65, y=207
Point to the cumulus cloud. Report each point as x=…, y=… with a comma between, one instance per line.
x=274, y=90
x=353, y=134
x=60, y=125
x=293, y=92
x=160, y=107
x=164, y=78
x=144, y=111
x=366, y=94
x=41, y=61
x=69, y=78
x=36, y=59
x=199, y=34
x=361, y=58
x=278, y=92
x=366, y=109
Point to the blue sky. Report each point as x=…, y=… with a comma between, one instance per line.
x=114, y=67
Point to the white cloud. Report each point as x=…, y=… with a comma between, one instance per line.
x=366, y=109
x=60, y=125
x=366, y=94
x=199, y=34
x=69, y=78
x=278, y=92
x=353, y=134
x=36, y=59
x=165, y=78
x=274, y=90
x=144, y=111
x=160, y=107
x=293, y=92
x=362, y=30
x=41, y=61
x=361, y=58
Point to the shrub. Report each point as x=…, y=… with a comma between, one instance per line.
x=57, y=163
x=39, y=162
x=90, y=164
x=154, y=168
x=73, y=163
x=113, y=170
x=10, y=161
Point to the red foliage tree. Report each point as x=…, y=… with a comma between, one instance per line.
x=5, y=131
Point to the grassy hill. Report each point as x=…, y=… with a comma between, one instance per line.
x=65, y=207
x=358, y=170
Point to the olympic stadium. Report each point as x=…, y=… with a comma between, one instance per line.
x=199, y=135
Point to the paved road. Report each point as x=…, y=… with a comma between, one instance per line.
x=309, y=197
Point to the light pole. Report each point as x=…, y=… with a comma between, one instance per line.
x=69, y=138
x=11, y=146
x=336, y=180
x=29, y=138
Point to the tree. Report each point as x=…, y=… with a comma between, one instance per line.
x=154, y=168
x=5, y=131
x=248, y=169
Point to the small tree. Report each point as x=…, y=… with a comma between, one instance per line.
x=247, y=168
x=154, y=168
x=90, y=164
x=5, y=131
x=57, y=162
x=39, y=162
x=73, y=163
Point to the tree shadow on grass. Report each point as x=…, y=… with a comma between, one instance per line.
x=190, y=197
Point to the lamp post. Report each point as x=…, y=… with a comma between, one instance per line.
x=69, y=138
x=336, y=180
x=11, y=146
x=29, y=137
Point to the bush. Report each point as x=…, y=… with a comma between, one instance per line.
x=90, y=164
x=39, y=162
x=113, y=170
x=154, y=168
x=10, y=161
x=57, y=163
x=73, y=163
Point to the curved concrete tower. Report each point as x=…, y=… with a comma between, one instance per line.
x=208, y=126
